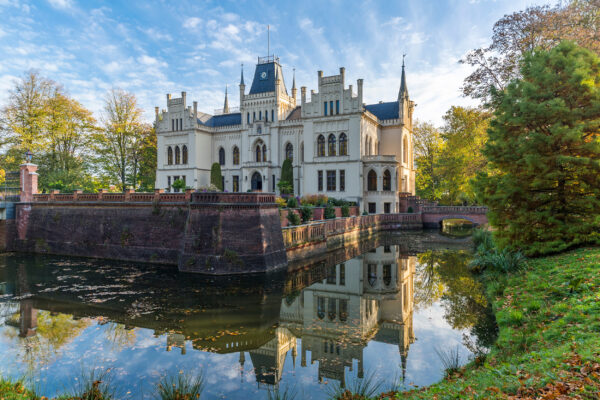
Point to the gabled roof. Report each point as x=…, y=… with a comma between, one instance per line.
x=267, y=84
x=296, y=113
x=384, y=110
x=222, y=120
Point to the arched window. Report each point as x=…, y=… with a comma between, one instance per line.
x=289, y=152
x=387, y=180
x=177, y=155
x=258, y=153
x=184, y=155
x=264, y=152
x=302, y=152
x=321, y=146
x=331, y=144
x=366, y=146
x=405, y=150
x=236, y=155
x=372, y=181
x=343, y=145
x=169, y=155
x=221, y=156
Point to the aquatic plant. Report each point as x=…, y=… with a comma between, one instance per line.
x=360, y=388
x=450, y=359
x=182, y=386
x=277, y=394
x=94, y=384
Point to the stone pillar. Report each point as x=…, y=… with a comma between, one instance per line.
x=53, y=194
x=128, y=193
x=29, y=182
x=101, y=192
x=157, y=193
x=76, y=194
x=188, y=194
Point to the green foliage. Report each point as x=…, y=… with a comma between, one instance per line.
x=365, y=212
x=329, y=212
x=345, y=210
x=482, y=240
x=179, y=184
x=542, y=188
x=499, y=260
x=358, y=388
x=278, y=394
x=293, y=218
x=286, y=183
x=319, y=200
x=450, y=359
x=216, y=178
x=281, y=203
x=410, y=210
x=292, y=202
x=307, y=213
x=180, y=387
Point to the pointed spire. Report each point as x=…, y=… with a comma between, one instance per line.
x=242, y=79
x=403, y=89
x=226, y=105
x=294, y=80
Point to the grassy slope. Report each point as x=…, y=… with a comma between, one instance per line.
x=549, y=334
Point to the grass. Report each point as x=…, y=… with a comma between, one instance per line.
x=549, y=334
x=180, y=387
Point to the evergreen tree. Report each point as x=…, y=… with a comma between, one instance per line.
x=216, y=178
x=286, y=184
x=543, y=188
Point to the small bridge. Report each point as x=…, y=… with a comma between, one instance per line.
x=433, y=216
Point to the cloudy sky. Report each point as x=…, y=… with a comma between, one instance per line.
x=152, y=48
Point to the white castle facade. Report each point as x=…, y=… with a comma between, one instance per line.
x=338, y=145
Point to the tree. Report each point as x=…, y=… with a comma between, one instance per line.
x=23, y=119
x=216, y=178
x=119, y=142
x=428, y=145
x=522, y=32
x=145, y=158
x=461, y=157
x=286, y=184
x=543, y=190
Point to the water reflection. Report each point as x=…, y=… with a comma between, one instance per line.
x=337, y=314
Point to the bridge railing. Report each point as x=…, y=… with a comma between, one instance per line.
x=454, y=210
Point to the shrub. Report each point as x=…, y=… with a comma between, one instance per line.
x=345, y=210
x=319, y=200
x=498, y=260
x=209, y=188
x=307, y=213
x=329, y=212
x=179, y=184
x=365, y=213
x=293, y=217
x=482, y=240
x=281, y=203
x=292, y=202
x=216, y=178
x=286, y=184
x=410, y=210
x=181, y=387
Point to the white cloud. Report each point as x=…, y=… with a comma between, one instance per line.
x=192, y=22
x=62, y=4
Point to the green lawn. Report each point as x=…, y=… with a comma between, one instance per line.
x=549, y=335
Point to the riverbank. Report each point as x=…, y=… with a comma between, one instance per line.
x=549, y=335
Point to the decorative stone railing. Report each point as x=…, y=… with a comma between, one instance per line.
x=319, y=231
x=379, y=158
x=130, y=196
x=453, y=210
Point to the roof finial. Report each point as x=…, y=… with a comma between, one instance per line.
x=403, y=89
x=226, y=105
x=242, y=79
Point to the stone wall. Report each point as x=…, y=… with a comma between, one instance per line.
x=215, y=233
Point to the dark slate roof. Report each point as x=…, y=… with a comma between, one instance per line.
x=268, y=84
x=384, y=110
x=222, y=120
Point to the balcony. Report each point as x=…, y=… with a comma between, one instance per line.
x=379, y=159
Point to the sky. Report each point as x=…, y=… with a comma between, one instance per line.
x=152, y=48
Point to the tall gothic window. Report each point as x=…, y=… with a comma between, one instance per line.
x=302, y=152
x=177, y=155
x=264, y=151
x=387, y=180
x=221, y=156
x=372, y=181
x=331, y=144
x=236, y=155
x=343, y=145
x=289, y=152
x=258, y=153
x=169, y=155
x=184, y=154
x=405, y=150
x=321, y=146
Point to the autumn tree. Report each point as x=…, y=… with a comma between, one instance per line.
x=118, y=144
x=523, y=31
x=145, y=158
x=464, y=135
x=428, y=145
x=543, y=188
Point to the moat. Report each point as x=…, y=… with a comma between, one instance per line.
x=384, y=315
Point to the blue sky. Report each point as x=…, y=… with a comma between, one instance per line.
x=152, y=48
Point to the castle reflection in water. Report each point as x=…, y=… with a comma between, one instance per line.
x=336, y=309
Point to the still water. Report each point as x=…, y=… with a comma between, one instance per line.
x=383, y=313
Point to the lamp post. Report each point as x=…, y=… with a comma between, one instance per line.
x=28, y=156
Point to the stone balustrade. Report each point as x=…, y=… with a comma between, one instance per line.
x=453, y=210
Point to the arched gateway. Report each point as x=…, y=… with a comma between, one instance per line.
x=256, y=182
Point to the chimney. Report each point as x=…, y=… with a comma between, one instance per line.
x=183, y=97
x=156, y=113
x=343, y=74
x=319, y=76
x=195, y=109
x=359, y=83
x=168, y=98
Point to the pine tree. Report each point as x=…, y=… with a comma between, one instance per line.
x=216, y=178
x=543, y=188
x=286, y=184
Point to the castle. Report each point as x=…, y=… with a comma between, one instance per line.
x=338, y=145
